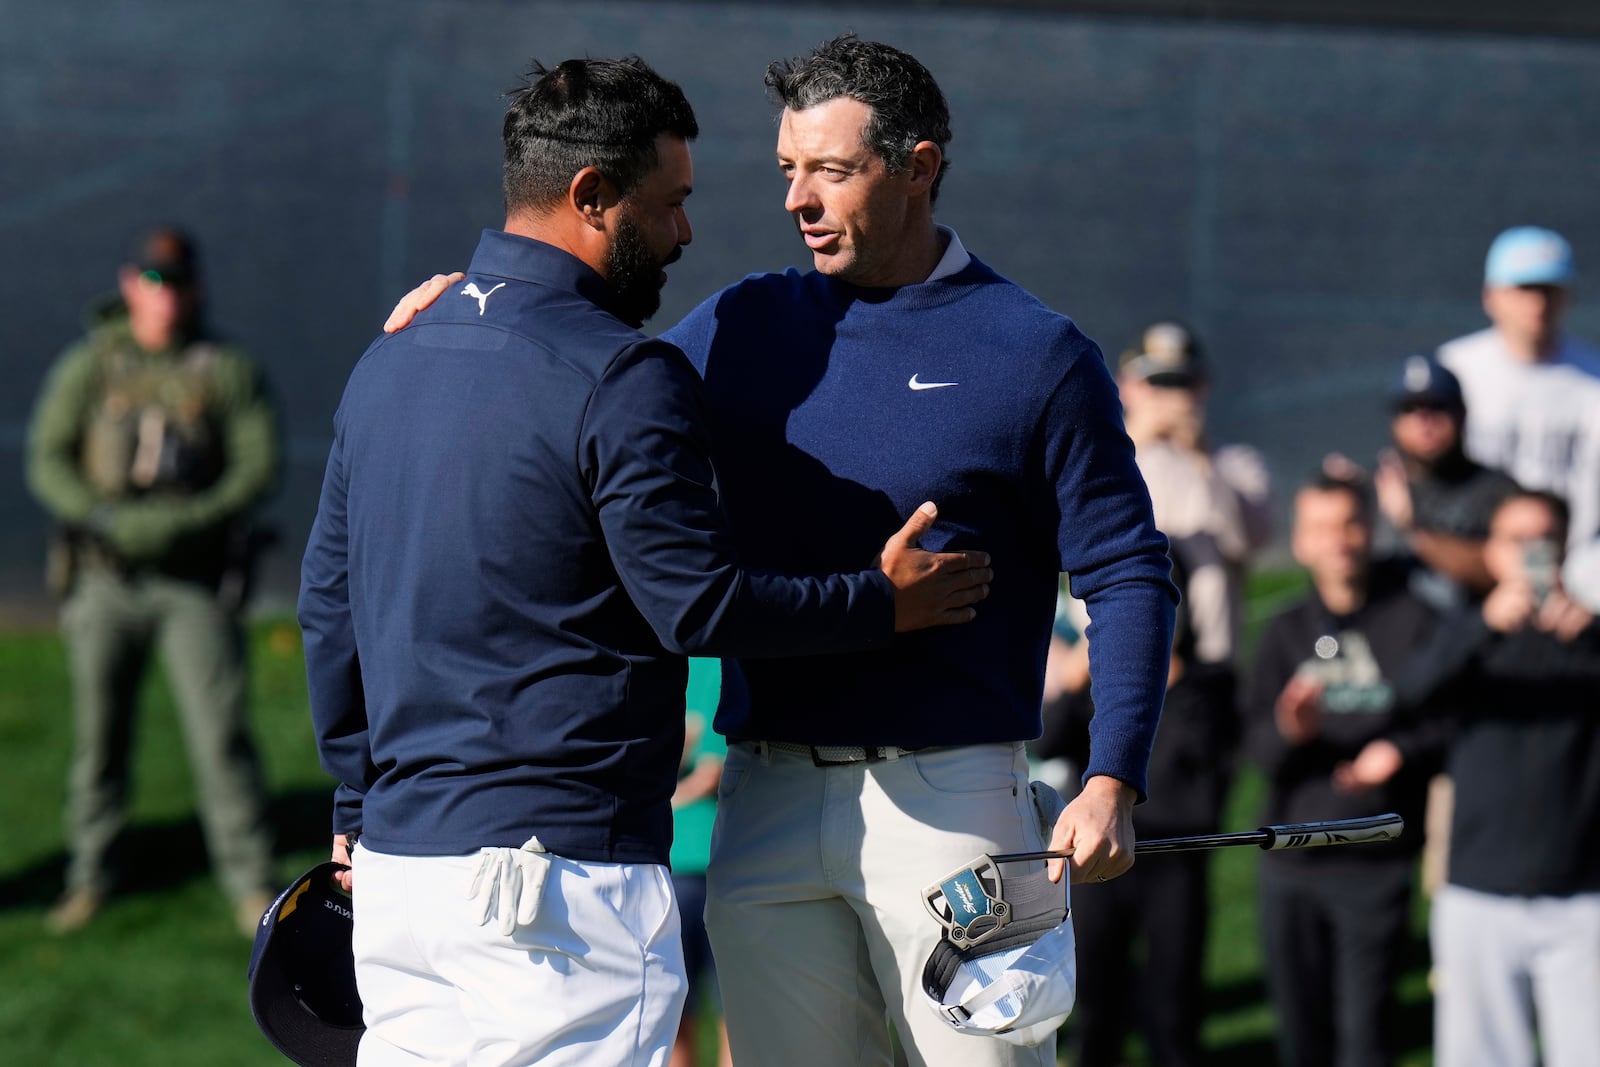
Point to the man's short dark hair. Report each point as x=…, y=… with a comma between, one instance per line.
x=1556, y=504
x=601, y=113
x=1356, y=488
x=907, y=106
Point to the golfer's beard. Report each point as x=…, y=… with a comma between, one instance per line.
x=634, y=274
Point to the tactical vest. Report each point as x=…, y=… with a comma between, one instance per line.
x=151, y=430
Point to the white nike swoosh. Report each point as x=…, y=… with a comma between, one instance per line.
x=929, y=385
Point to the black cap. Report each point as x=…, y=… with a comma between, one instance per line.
x=303, y=974
x=167, y=255
x=1166, y=355
x=1425, y=381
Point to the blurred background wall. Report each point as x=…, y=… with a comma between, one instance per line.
x=1311, y=186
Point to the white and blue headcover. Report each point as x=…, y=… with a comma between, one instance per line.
x=1007, y=964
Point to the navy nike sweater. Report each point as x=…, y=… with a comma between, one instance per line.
x=836, y=410
x=517, y=542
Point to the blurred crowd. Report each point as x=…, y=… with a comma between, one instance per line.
x=1442, y=665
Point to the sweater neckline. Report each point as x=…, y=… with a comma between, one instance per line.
x=915, y=295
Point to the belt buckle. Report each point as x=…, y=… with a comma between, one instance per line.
x=871, y=754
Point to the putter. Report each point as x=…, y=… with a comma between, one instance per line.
x=970, y=902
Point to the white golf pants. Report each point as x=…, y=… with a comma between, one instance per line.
x=594, y=979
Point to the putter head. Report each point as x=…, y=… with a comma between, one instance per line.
x=969, y=903
x=1003, y=968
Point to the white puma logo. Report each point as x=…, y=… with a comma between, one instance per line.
x=482, y=298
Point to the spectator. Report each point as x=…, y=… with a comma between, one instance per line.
x=694, y=810
x=1436, y=500
x=1437, y=503
x=150, y=444
x=1533, y=391
x=1142, y=937
x=1213, y=504
x=1322, y=727
x=1516, y=931
x=1213, y=507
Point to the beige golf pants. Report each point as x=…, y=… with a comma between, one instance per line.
x=815, y=899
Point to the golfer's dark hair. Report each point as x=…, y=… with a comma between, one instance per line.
x=602, y=113
x=1560, y=512
x=907, y=106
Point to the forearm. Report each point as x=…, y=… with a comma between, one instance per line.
x=338, y=704
x=252, y=450
x=1454, y=557
x=333, y=662
x=55, y=481
x=647, y=456
x=1130, y=646
x=55, y=433
x=1274, y=666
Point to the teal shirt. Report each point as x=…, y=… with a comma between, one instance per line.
x=691, y=823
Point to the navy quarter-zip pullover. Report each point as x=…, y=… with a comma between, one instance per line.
x=833, y=406
x=518, y=541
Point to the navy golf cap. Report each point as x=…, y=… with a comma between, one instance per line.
x=303, y=973
x=1424, y=380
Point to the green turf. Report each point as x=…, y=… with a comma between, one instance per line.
x=158, y=979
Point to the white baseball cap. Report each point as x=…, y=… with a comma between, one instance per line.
x=1017, y=981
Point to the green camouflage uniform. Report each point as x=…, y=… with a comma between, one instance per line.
x=150, y=461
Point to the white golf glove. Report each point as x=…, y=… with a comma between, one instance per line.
x=509, y=883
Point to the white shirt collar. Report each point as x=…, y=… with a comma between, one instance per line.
x=955, y=258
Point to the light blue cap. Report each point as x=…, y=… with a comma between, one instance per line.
x=1528, y=255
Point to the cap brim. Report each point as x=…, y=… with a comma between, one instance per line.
x=292, y=1028
x=1432, y=400
x=1170, y=379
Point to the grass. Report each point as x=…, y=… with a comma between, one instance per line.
x=158, y=978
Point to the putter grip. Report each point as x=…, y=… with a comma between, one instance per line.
x=1344, y=832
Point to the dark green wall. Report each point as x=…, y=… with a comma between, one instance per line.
x=1316, y=200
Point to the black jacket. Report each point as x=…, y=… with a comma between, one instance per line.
x=1359, y=658
x=1525, y=755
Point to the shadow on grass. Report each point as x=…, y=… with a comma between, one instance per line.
x=1251, y=1052
x=1232, y=998
x=153, y=858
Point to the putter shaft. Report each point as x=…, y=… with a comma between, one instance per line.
x=1385, y=827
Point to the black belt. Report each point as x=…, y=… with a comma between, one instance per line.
x=839, y=755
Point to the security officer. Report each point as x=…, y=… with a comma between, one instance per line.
x=149, y=445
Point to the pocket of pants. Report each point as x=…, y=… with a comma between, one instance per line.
x=735, y=769
x=651, y=915
x=1048, y=805
x=969, y=771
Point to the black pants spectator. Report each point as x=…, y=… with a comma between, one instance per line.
x=1160, y=904
x=1333, y=940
